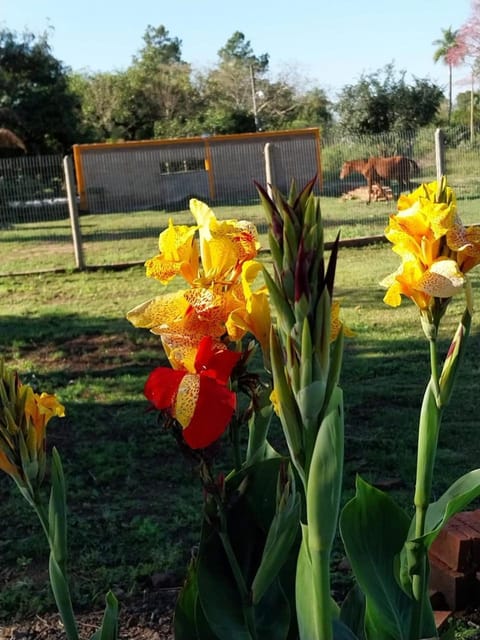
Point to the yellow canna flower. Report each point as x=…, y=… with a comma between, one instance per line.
x=442, y=279
x=428, y=235
x=178, y=254
x=224, y=244
x=39, y=410
x=24, y=416
x=466, y=242
x=336, y=323
x=220, y=301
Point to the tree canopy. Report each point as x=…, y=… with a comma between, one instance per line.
x=160, y=94
x=383, y=101
x=36, y=100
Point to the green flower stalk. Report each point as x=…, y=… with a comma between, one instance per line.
x=24, y=416
x=437, y=251
x=306, y=368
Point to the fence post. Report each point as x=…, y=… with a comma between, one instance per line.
x=73, y=212
x=440, y=153
x=270, y=172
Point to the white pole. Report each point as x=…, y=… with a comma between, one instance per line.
x=73, y=212
x=439, y=153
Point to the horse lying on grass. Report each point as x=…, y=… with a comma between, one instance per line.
x=375, y=170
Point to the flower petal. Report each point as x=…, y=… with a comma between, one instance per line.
x=215, y=361
x=442, y=280
x=162, y=385
x=213, y=412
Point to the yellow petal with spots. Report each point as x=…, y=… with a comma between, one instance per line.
x=161, y=311
x=186, y=399
x=442, y=280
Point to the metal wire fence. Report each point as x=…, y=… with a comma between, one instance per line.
x=36, y=230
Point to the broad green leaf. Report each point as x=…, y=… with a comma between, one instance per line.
x=325, y=473
x=352, y=612
x=373, y=530
x=342, y=632
x=219, y=595
x=279, y=543
x=272, y=614
x=306, y=594
x=189, y=621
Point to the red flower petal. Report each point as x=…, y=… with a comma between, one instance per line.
x=214, y=361
x=213, y=412
x=162, y=385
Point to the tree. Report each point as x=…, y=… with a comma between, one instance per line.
x=451, y=54
x=159, y=48
x=239, y=50
x=164, y=90
x=235, y=84
x=382, y=102
x=461, y=114
x=34, y=90
x=468, y=41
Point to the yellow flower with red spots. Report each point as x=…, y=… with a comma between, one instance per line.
x=436, y=249
x=221, y=300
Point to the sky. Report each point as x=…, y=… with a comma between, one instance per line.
x=328, y=43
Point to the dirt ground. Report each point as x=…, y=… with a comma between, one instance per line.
x=145, y=618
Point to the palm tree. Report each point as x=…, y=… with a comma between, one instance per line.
x=445, y=46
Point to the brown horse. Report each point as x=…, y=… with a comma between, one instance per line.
x=375, y=170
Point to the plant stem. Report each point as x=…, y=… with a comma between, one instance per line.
x=322, y=601
x=247, y=606
x=428, y=430
x=434, y=368
x=61, y=594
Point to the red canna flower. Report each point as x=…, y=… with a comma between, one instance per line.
x=201, y=402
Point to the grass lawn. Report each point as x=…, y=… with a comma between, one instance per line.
x=119, y=238
x=134, y=501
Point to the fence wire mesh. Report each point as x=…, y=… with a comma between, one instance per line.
x=35, y=229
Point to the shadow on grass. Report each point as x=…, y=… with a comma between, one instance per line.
x=135, y=501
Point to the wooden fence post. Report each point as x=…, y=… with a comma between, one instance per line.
x=440, y=153
x=73, y=212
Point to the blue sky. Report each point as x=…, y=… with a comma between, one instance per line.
x=330, y=42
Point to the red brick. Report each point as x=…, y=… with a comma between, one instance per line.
x=472, y=520
x=454, y=545
x=459, y=589
x=441, y=619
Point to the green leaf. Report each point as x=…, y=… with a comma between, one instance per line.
x=58, y=583
x=324, y=484
x=455, y=499
x=306, y=593
x=273, y=615
x=373, y=530
x=342, y=632
x=109, y=627
x=219, y=596
x=280, y=540
x=454, y=357
x=352, y=612
x=189, y=620
x=57, y=511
